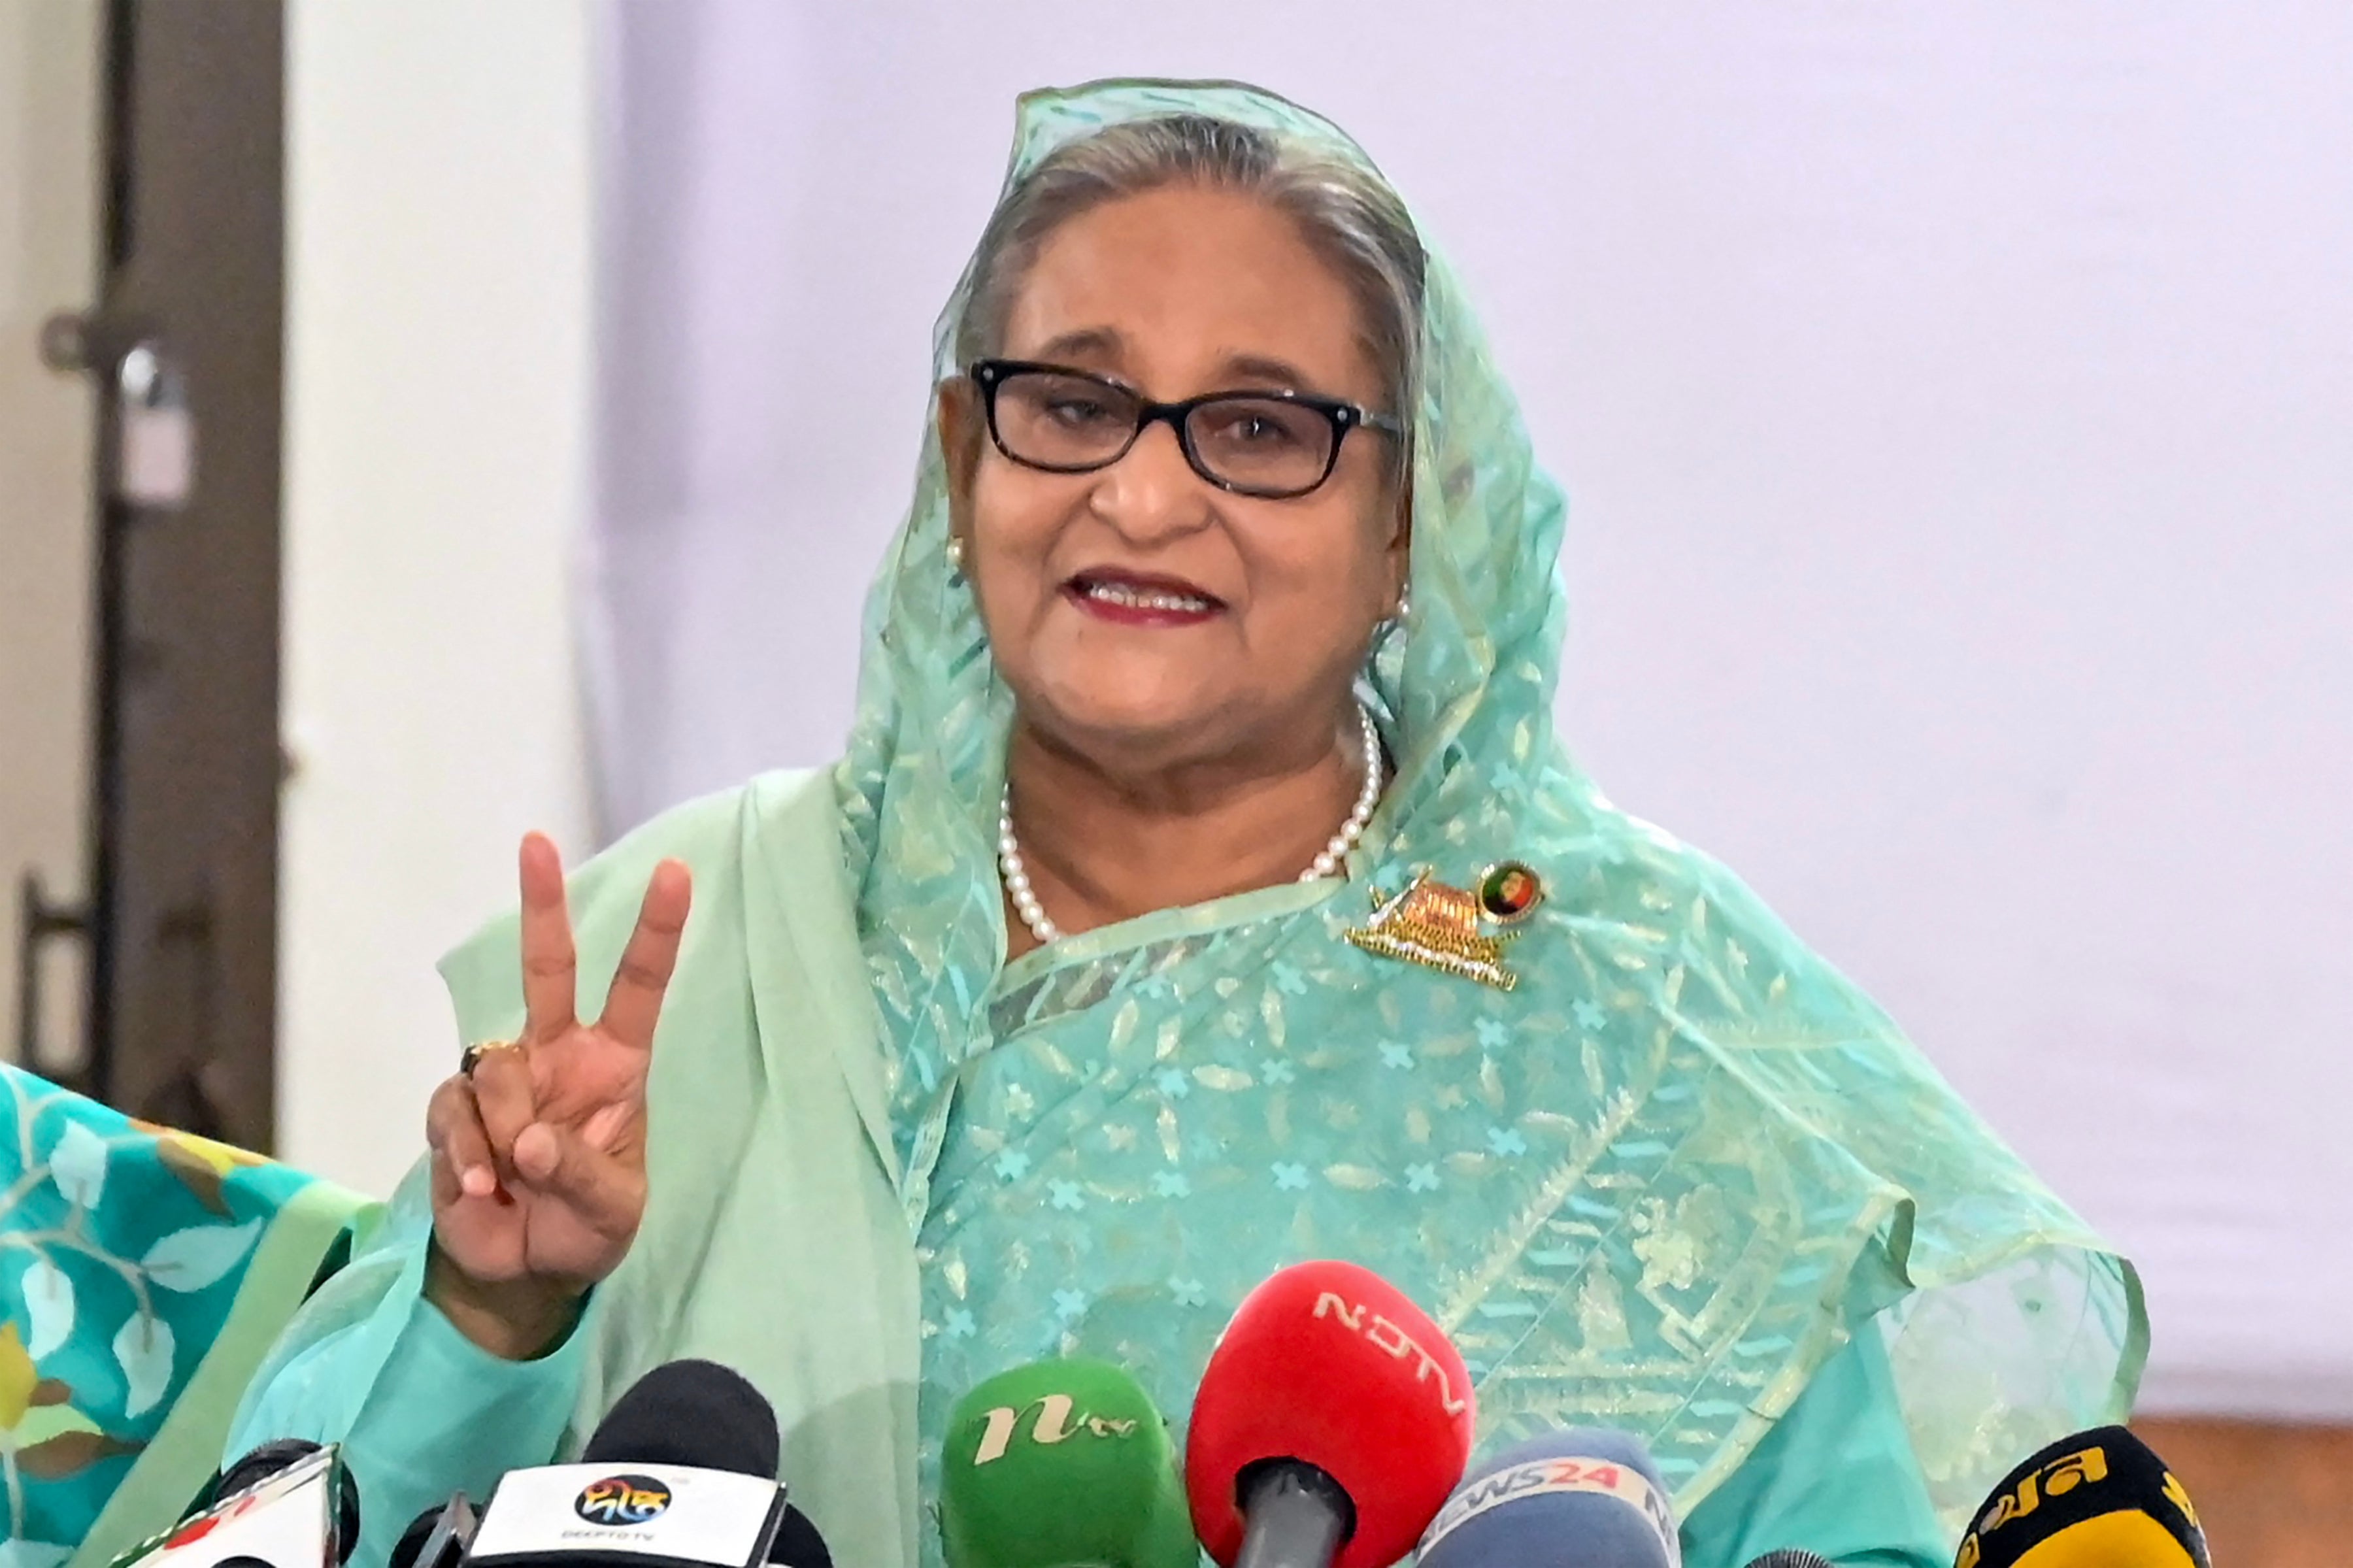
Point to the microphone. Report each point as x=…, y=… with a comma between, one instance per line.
x=650, y=1420
x=288, y=1504
x=281, y=1455
x=1583, y=1498
x=797, y=1542
x=438, y=1537
x=2100, y=1498
x=1331, y=1422
x=680, y=1473
x=1792, y=1557
x=695, y=1413
x=1061, y=1462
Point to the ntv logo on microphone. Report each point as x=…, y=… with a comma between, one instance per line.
x=1393, y=1342
x=1057, y=1419
x=622, y=1501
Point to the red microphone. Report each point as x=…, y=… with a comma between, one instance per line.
x=1332, y=1422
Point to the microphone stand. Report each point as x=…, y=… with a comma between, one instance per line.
x=1297, y=1515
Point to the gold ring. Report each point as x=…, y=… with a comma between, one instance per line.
x=472, y=1056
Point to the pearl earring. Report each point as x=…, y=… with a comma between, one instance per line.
x=956, y=554
x=1404, y=611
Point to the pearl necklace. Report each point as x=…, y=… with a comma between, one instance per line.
x=1326, y=862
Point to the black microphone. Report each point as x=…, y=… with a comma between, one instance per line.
x=701, y=1413
x=681, y=1472
x=287, y=1502
x=438, y=1537
x=797, y=1542
x=2100, y=1498
x=695, y=1413
x=279, y=1455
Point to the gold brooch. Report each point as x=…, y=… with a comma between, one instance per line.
x=1445, y=927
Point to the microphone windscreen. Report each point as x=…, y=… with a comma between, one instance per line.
x=1061, y=1462
x=267, y=1460
x=436, y=1538
x=1329, y=1365
x=409, y=1550
x=797, y=1542
x=694, y=1412
x=2100, y=1499
x=1792, y=1557
x=1586, y=1497
x=260, y=1463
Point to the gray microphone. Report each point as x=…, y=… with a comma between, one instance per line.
x=1792, y=1557
x=1584, y=1497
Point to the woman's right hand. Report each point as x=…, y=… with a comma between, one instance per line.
x=539, y=1156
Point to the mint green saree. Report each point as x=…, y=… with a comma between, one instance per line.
x=1683, y=1179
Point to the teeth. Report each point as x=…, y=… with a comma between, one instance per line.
x=1144, y=598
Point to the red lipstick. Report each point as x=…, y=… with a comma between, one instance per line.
x=1141, y=598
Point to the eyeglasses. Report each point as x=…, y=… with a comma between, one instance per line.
x=1273, y=445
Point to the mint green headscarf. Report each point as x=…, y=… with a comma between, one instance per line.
x=1654, y=1187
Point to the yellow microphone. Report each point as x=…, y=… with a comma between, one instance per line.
x=2100, y=1498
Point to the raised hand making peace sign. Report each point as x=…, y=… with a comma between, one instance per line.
x=539, y=1153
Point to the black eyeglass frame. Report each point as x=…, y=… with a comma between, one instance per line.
x=990, y=375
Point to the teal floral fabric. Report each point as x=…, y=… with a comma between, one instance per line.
x=1654, y=1187
x=125, y=1249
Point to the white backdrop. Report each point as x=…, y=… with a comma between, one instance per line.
x=438, y=337
x=1957, y=407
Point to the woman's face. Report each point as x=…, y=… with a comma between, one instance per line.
x=1140, y=612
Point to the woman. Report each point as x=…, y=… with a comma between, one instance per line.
x=1062, y=1011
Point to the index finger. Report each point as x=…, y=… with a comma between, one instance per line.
x=550, y=968
x=634, y=1003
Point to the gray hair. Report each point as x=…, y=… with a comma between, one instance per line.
x=1346, y=213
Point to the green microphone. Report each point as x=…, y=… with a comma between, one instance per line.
x=1062, y=1463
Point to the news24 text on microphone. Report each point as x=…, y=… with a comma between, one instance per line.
x=1584, y=1497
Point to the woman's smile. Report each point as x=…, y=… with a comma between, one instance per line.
x=1136, y=607
x=1141, y=598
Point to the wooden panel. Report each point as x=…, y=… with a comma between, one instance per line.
x=2270, y=1495
x=187, y=761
